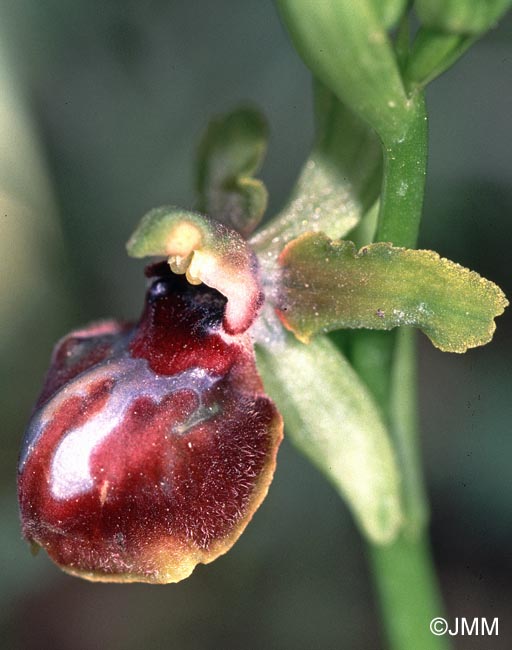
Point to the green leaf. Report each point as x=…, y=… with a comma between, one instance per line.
x=347, y=47
x=330, y=416
x=230, y=153
x=206, y=251
x=470, y=17
x=338, y=183
x=327, y=285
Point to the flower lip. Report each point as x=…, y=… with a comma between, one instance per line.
x=182, y=326
x=156, y=443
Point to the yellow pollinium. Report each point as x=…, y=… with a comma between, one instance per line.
x=182, y=244
x=183, y=239
x=199, y=266
x=179, y=264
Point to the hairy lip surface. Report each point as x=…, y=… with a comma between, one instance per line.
x=153, y=444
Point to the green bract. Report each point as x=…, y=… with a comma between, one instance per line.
x=347, y=47
x=449, y=28
x=432, y=53
x=389, y=12
x=461, y=16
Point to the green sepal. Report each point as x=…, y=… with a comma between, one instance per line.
x=326, y=285
x=205, y=251
x=470, y=17
x=332, y=419
x=230, y=153
x=338, y=183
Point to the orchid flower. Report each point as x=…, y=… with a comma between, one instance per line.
x=152, y=445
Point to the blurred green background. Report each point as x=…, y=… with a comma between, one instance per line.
x=101, y=106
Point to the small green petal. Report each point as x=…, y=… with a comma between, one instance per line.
x=230, y=153
x=330, y=416
x=328, y=285
x=206, y=251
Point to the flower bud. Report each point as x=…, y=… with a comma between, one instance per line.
x=151, y=446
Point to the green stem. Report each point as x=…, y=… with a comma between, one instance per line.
x=332, y=38
x=403, y=410
x=386, y=360
x=405, y=166
x=408, y=594
x=403, y=571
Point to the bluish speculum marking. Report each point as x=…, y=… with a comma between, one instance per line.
x=70, y=473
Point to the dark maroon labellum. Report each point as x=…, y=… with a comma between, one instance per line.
x=151, y=445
